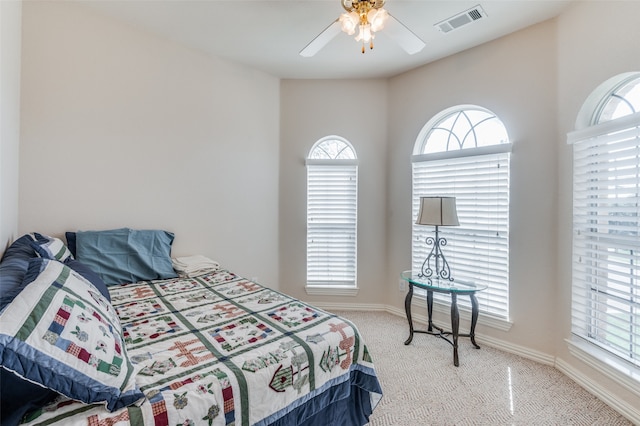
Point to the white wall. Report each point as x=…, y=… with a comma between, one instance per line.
x=515, y=78
x=121, y=128
x=357, y=111
x=596, y=41
x=10, y=40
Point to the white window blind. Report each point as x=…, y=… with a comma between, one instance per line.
x=332, y=197
x=606, y=236
x=478, y=249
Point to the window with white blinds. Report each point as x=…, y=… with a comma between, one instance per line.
x=473, y=166
x=606, y=226
x=332, y=207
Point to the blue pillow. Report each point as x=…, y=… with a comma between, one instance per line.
x=90, y=275
x=19, y=396
x=52, y=248
x=62, y=334
x=13, y=266
x=126, y=255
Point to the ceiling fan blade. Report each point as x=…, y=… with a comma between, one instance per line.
x=321, y=39
x=402, y=35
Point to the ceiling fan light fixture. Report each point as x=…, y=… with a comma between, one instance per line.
x=368, y=15
x=377, y=18
x=349, y=22
x=365, y=34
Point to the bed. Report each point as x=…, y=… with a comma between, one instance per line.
x=211, y=349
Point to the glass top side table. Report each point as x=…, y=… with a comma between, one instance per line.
x=454, y=288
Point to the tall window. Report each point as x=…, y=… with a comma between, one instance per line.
x=332, y=207
x=606, y=224
x=464, y=152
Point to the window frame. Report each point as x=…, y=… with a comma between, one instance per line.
x=341, y=166
x=589, y=341
x=499, y=318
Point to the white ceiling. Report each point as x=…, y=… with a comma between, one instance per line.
x=269, y=34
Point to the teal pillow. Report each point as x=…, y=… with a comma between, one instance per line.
x=126, y=255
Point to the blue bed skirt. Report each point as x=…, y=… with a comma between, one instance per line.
x=349, y=403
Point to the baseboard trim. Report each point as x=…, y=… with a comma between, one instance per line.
x=630, y=412
x=522, y=351
x=627, y=410
x=422, y=319
x=607, y=364
x=327, y=306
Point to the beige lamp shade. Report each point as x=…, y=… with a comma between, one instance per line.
x=438, y=211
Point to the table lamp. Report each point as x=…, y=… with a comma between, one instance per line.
x=437, y=211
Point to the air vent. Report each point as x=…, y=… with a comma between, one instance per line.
x=461, y=19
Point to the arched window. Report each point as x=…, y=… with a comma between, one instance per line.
x=332, y=213
x=460, y=128
x=606, y=222
x=464, y=152
x=623, y=100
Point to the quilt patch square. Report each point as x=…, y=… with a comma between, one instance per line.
x=190, y=352
x=150, y=329
x=175, y=356
x=218, y=277
x=80, y=331
x=130, y=292
x=189, y=299
x=178, y=286
x=139, y=309
x=247, y=331
x=262, y=300
x=238, y=288
x=295, y=314
x=213, y=314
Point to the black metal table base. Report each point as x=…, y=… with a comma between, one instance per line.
x=455, y=322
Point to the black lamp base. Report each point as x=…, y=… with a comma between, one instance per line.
x=442, y=270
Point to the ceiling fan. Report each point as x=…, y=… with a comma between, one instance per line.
x=368, y=17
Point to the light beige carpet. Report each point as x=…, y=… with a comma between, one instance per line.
x=422, y=387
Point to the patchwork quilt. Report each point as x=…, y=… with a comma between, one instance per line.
x=219, y=349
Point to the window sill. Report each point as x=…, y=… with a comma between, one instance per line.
x=610, y=365
x=331, y=290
